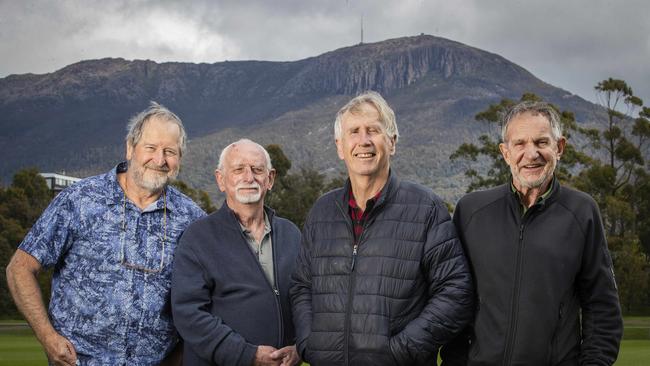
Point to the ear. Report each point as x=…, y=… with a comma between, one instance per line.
x=393, y=142
x=561, y=144
x=339, y=148
x=129, y=151
x=218, y=176
x=505, y=152
x=271, y=179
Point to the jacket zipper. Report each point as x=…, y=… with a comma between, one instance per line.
x=348, y=311
x=274, y=289
x=510, y=337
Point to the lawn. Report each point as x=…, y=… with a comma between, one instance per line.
x=18, y=346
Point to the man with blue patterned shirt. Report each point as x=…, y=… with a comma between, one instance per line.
x=111, y=240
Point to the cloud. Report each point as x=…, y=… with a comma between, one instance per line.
x=574, y=44
x=570, y=44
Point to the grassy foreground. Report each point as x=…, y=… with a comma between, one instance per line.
x=18, y=346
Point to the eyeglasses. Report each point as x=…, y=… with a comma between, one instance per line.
x=138, y=267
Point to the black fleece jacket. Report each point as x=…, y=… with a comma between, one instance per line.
x=534, y=275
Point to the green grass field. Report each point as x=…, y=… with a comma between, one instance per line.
x=19, y=347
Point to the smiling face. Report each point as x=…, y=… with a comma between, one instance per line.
x=155, y=159
x=531, y=151
x=244, y=176
x=363, y=144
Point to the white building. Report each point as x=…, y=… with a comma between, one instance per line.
x=58, y=182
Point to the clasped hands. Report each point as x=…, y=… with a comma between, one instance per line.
x=270, y=356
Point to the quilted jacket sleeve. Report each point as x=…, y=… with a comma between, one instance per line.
x=455, y=352
x=450, y=304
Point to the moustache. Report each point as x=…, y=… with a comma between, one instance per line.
x=248, y=186
x=164, y=168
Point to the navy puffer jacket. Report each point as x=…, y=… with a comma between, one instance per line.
x=406, y=292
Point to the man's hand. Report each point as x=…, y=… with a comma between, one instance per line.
x=263, y=356
x=287, y=355
x=59, y=350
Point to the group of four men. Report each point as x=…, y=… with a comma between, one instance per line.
x=381, y=275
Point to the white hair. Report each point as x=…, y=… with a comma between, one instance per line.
x=224, y=152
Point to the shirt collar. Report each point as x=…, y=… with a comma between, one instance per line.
x=352, y=202
x=115, y=192
x=540, y=199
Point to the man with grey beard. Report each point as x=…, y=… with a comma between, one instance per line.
x=545, y=287
x=111, y=239
x=232, y=271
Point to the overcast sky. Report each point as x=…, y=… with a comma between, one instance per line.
x=571, y=44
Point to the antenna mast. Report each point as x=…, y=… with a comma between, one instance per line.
x=361, y=29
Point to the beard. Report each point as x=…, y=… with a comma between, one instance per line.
x=150, y=177
x=250, y=197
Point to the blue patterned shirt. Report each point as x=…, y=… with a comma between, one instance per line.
x=114, y=315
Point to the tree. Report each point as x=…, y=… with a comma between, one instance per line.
x=199, y=196
x=621, y=177
x=26, y=198
x=642, y=205
x=10, y=234
x=279, y=160
x=620, y=184
x=293, y=194
x=20, y=206
x=630, y=263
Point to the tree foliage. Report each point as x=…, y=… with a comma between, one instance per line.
x=293, y=194
x=621, y=176
x=20, y=205
x=620, y=184
x=199, y=196
x=279, y=160
x=611, y=167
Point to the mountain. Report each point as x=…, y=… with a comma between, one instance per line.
x=74, y=119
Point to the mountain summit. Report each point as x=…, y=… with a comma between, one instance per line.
x=398, y=63
x=74, y=119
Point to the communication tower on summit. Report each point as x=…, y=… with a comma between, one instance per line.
x=361, y=29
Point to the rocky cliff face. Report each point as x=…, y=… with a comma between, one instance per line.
x=398, y=63
x=383, y=66
x=73, y=119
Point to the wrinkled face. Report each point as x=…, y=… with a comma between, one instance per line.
x=244, y=177
x=531, y=151
x=155, y=159
x=364, y=145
